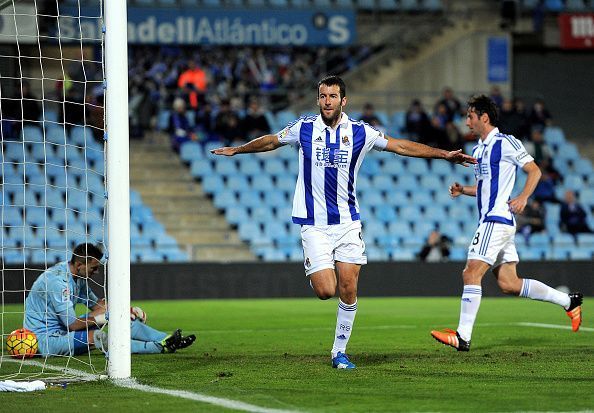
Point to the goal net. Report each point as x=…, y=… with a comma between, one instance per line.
x=53, y=192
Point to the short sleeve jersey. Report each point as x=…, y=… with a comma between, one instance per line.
x=329, y=160
x=50, y=305
x=498, y=156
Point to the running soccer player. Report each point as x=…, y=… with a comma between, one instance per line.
x=331, y=149
x=50, y=312
x=492, y=245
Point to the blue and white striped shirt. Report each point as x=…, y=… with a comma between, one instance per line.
x=498, y=156
x=329, y=160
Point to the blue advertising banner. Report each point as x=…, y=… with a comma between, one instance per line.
x=498, y=59
x=227, y=27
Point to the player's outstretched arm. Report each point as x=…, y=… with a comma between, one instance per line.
x=457, y=189
x=262, y=144
x=418, y=150
x=518, y=204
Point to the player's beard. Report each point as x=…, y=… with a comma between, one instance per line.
x=336, y=114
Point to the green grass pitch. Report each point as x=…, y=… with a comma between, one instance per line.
x=275, y=354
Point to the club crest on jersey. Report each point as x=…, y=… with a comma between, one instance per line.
x=307, y=263
x=345, y=141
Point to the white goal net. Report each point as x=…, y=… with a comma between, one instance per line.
x=53, y=195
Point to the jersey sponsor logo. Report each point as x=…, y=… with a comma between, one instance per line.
x=481, y=169
x=283, y=133
x=521, y=156
x=66, y=295
x=332, y=158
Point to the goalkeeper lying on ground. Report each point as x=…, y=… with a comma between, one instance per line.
x=50, y=312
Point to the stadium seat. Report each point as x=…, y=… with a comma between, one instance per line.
x=581, y=254
x=225, y=166
x=236, y=214
x=451, y=229
x=12, y=216
x=407, y=183
x=397, y=198
x=423, y=228
x=237, y=183
x=575, y=5
x=383, y=183
x=370, y=167
x=563, y=240
x=225, y=200
x=250, y=199
x=409, y=213
x=32, y=134
x=393, y=166
x=275, y=199
x=421, y=198
x=585, y=240
x=402, y=254
x=212, y=184
x=539, y=240
x=435, y=213
x=262, y=183
x=417, y=166
x=261, y=214
x=409, y=5
x=249, y=166
x=433, y=5
x=190, y=151
x=554, y=5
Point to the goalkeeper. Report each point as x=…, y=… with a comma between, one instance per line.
x=50, y=312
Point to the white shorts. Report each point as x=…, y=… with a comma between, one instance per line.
x=494, y=243
x=325, y=244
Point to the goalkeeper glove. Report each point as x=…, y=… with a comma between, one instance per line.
x=137, y=313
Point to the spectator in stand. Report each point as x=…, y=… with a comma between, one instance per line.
x=573, y=216
x=437, y=248
x=254, y=123
x=179, y=125
x=141, y=108
x=204, y=120
x=537, y=147
x=496, y=96
x=73, y=109
x=435, y=135
x=520, y=108
x=417, y=121
x=369, y=116
x=545, y=189
x=532, y=220
x=451, y=103
x=442, y=115
x=96, y=115
x=193, y=81
x=20, y=110
x=455, y=139
x=227, y=124
x=540, y=115
x=511, y=122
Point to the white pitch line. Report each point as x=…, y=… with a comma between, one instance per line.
x=555, y=326
x=183, y=394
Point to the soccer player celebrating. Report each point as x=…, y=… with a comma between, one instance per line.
x=331, y=149
x=493, y=242
x=50, y=312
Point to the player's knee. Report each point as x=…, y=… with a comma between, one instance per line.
x=508, y=287
x=470, y=276
x=325, y=294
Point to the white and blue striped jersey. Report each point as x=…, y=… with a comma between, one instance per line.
x=50, y=305
x=498, y=156
x=329, y=160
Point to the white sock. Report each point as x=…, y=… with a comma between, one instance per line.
x=345, y=317
x=471, y=301
x=539, y=291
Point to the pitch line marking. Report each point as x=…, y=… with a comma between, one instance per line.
x=183, y=394
x=556, y=326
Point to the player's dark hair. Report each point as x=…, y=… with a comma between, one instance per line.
x=484, y=104
x=334, y=81
x=83, y=251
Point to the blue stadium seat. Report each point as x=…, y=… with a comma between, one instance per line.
x=262, y=183
x=554, y=5
x=417, y=166
x=32, y=134
x=200, y=168
x=274, y=229
x=383, y=183
x=376, y=254
x=36, y=216
x=275, y=198
x=581, y=254
x=558, y=253
x=407, y=183
x=284, y=117
x=435, y=213
x=573, y=182
x=175, y=256
x=563, y=240
x=421, y=198
x=393, y=166
x=237, y=183
x=397, y=198
x=403, y=254
x=540, y=239
x=423, y=228
x=236, y=214
x=225, y=166
x=12, y=216
x=409, y=213
x=385, y=213
x=373, y=229
x=212, y=184
x=433, y=5
x=458, y=254
x=388, y=241
x=371, y=197
x=575, y=5
x=370, y=167
x=225, y=200
x=250, y=166
x=344, y=3
x=451, y=229
x=585, y=240
x=286, y=183
x=250, y=199
x=191, y=151
x=274, y=166
x=583, y=167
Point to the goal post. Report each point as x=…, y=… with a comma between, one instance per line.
x=118, y=188
x=64, y=167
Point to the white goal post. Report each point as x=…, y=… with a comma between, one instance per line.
x=64, y=182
